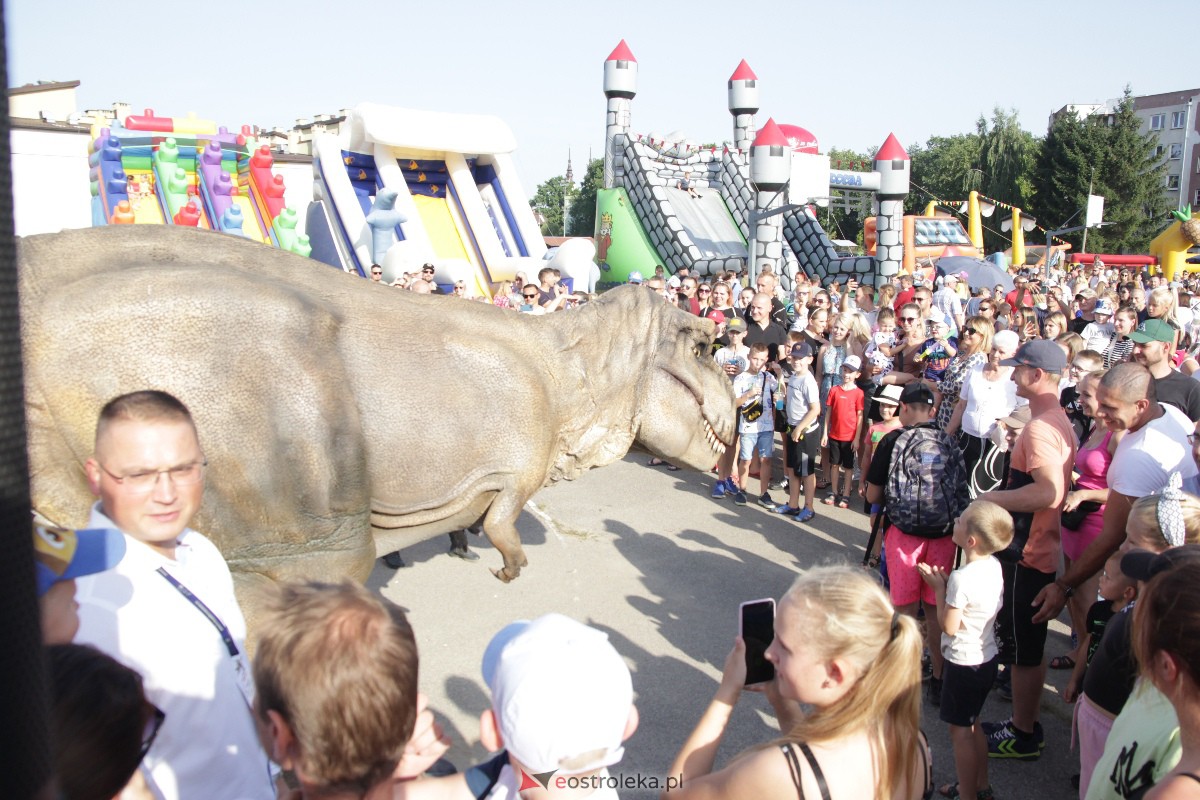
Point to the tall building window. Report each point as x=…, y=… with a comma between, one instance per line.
x=1157, y=121
x=1196, y=198
x=1178, y=119
x=1159, y=150
x=1173, y=183
x=1176, y=150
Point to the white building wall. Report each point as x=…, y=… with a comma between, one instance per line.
x=50, y=180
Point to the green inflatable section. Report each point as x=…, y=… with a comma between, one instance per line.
x=622, y=246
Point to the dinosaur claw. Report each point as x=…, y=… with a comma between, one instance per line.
x=505, y=575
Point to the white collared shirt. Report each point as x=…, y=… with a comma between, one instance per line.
x=208, y=747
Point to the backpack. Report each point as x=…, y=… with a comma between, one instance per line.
x=927, y=483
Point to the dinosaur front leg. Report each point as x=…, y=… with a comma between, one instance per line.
x=500, y=526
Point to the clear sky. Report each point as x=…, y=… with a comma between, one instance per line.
x=850, y=72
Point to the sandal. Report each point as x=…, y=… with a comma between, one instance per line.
x=1062, y=662
x=822, y=484
x=673, y=468
x=843, y=501
x=655, y=462
x=830, y=499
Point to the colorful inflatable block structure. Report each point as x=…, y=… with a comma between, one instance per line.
x=187, y=171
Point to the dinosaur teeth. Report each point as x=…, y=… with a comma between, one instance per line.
x=713, y=440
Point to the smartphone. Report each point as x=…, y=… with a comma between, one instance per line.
x=757, y=629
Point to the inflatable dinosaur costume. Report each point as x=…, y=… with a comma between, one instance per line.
x=341, y=418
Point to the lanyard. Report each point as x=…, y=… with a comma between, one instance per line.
x=226, y=636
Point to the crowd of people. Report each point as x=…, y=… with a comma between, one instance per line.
x=1055, y=407
x=1009, y=471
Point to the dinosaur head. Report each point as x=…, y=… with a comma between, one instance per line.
x=685, y=405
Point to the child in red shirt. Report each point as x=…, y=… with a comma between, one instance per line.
x=843, y=424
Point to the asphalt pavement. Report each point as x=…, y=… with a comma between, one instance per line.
x=647, y=556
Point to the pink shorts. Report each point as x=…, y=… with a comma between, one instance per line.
x=1091, y=725
x=904, y=552
x=1075, y=542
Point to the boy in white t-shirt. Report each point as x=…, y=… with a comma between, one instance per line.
x=968, y=601
x=733, y=359
x=753, y=390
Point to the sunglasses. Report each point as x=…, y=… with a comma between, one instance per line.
x=529, y=296
x=151, y=731
x=706, y=291
x=969, y=331
x=908, y=319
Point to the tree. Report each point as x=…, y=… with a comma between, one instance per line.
x=945, y=168
x=1132, y=182
x=1119, y=163
x=548, y=201
x=1007, y=155
x=582, y=220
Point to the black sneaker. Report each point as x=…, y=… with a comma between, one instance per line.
x=1004, y=742
x=394, y=560
x=739, y=497
x=766, y=502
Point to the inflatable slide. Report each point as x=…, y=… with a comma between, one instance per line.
x=186, y=171
x=401, y=187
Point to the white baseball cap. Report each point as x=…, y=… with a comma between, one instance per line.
x=561, y=694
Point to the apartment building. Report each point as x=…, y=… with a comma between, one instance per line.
x=1174, y=117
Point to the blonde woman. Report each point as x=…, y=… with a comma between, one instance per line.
x=1162, y=304
x=846, y=694
x=503, y=297
x=887, y=296
x=1054, y=325
x=974, y=346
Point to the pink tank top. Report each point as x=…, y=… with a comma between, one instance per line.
x=1092, y=465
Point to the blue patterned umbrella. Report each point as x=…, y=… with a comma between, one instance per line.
x=979, y=273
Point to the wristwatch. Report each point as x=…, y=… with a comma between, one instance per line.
x=1067, y=589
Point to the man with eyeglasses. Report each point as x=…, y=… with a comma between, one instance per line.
x=427, y=273
x=688, y=287
x=168, y=609
x=530, y=296
x=376, y=273
x=981, y=295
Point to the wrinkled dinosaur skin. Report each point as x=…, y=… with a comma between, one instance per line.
x=343, y=419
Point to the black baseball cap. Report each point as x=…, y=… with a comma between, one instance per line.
x=1142, y=565
x=917, y=394
x=802, y=350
